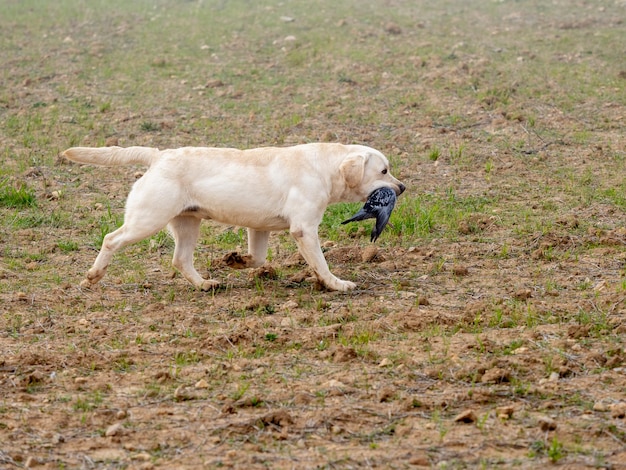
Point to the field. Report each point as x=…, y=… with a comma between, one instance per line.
x=488, y=326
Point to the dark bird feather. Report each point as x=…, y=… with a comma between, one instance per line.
x=379, y=205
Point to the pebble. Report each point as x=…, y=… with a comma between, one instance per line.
x=460, y=270
x=600, y=406
x=369, y=253
x=546, y=423
x=143, y=456
x=505, y=412
x=386, y=395
x=385, y=362
x=116, y=429
x=467, y=416
x=523, y=294
x=495, y=375
x=618, y=410
x=201, y=384
x=290, y=304
x=334, y=384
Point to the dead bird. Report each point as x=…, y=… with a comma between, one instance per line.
x=379, y=205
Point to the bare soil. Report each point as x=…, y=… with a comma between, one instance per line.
x=496, y=343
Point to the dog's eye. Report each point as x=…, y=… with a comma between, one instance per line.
x=384, y=171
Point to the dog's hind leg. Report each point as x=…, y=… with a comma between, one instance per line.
x=257, y=247
x=186, y=230
x=127, y=234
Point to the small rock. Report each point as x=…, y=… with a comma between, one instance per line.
x=460, y=270
x=420, y=460
x=289, y=305
x=121, y=414
x=116, y=429
x=344, y=354
x=554, y=377
x=523, y=294
x=369, y=253
x=201, y=384
x=385, y=362
x=546, y=423
x=600, y=406
x=618, y=410
x=278, y=417
x=142, y=457
x=393, y=28
x=302, y=398
x=496, y=375
x=333, y=384
x=504, y=412
x=185, y=393
x=386, y=395
x=467, y=416
x=214, y=84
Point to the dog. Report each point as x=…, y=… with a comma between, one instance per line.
x=263, y=189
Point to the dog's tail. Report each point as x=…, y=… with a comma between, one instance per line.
x=113, y=156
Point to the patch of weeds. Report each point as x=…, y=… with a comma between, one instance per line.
x=512, y=346
x=16, y=197
x=123, y=364
x=322, y=345
x=597, y=320
x=434, y=154
x=185, y=358
x=242, y=388
x=231, y=237
x=555, y=450
x=88, y=403
x=67, y=246
x=149, y=126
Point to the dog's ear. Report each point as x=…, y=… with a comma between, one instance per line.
x=352, y=169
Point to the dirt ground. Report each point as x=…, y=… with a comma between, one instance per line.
x=493, y=341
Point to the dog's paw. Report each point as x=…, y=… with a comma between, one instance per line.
x=338, y=284
x=209, y=284
x=86, y=284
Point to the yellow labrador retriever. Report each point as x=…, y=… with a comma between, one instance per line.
x=264, y=189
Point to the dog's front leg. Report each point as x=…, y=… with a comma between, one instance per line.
x=309, y=246
x=257, y=251
x=257, y=247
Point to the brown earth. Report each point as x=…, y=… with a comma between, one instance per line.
x=498, y=343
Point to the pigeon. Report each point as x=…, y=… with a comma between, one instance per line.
x=379, y=205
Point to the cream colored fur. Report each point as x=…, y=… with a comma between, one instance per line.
x=264, y=189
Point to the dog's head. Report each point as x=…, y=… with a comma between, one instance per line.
x=366, y=170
